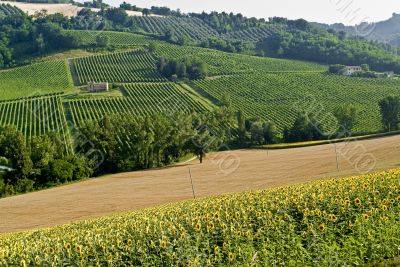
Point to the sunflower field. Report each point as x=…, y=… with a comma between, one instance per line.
x=340, y=222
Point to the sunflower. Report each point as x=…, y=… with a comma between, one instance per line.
x=78, y=249
x=182, y=235
x=67, y=246
x=333, y=217
x=231, y=257
x=366, y=216
x=357, y=201
x=216, y=250
x=163, y=244
x=51, y=250
x=197, y=226
x=129, y=242
x=322, y=227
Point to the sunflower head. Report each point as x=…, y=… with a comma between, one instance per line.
x=322, y=227
x=163, y=244
x=231, y=256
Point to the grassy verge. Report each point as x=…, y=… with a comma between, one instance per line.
x=324, y=142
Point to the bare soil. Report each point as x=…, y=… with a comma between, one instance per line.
x=224, y=172
x=68, y=10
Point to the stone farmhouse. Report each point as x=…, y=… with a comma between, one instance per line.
x=97, y=87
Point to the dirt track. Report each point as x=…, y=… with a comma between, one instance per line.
x=220, y=173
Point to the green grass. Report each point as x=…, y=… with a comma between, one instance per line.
x=278, y=97
x=36, y=79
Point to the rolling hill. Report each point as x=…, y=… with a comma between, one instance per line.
x=267, y=88
x=134, y=101
x=387, y=31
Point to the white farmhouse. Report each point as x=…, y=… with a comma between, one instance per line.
x=349, y=70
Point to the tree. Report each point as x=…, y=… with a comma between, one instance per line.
x=305, y=128
x=337, y=69
x=116, y=15
x=13, y=147
x=59, y=171
x=365, y=67
x=43, y=151
x=257, y=133
x=152, y=47
x=241, y=121
x=269, y=132
x=346, y=116
x=102, y=40
x=40, y=44
x=206, y=137
x=390, y=109
x=146, y=12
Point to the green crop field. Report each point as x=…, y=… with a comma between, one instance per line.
x=278, y=97
x=35, y=79
x=191, y=27
x=35, y=115
x=123, y=67
x=118, y=39
x=141, y=99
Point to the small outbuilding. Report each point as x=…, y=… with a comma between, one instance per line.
x=97, y=87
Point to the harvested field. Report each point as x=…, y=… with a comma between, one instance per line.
x=220, y=173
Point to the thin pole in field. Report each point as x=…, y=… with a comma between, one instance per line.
x=337, y=158
x=191, y=181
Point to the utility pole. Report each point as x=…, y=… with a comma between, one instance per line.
x=337, y=158
x=191, y=181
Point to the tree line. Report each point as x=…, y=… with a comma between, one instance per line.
x=129, y=143
x=39, y=163
x=298, y=40
x=190, y=68
x=305, y=42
